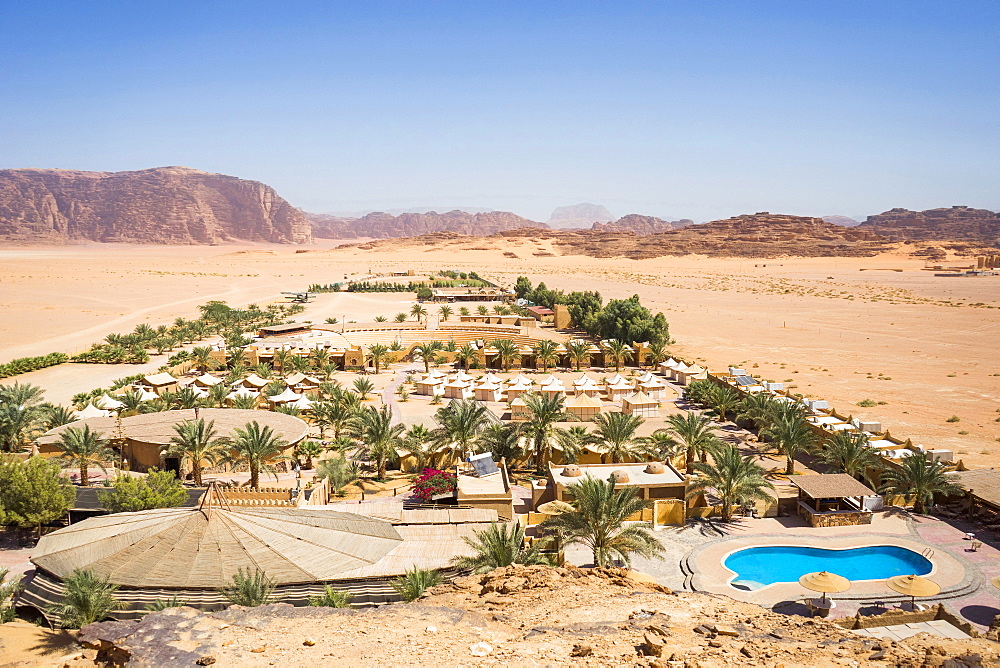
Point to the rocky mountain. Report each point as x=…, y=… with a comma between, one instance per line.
x=383, y=225
x=579, y=216
x=956, y=223
x=640, y=224
x=843, y=221
x=167, y=205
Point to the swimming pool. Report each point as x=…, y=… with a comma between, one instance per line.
x=757, y=567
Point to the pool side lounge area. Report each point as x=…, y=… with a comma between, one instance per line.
x=833, y=499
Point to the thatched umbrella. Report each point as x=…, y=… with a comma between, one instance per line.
x=825, y=582
x=913, y=586
x=996, y=582
x=555, y=508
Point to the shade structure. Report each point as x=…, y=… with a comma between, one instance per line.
x=204, y=547
x=285, y=397
x=555, y=508
x=105, y=402
x=913, y=585
x=825, y=582
x=90, y=411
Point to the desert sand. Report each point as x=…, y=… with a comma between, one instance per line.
x=925, y=346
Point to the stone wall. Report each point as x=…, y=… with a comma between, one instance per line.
x=839, y=519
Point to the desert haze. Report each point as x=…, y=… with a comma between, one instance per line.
x=842, y=329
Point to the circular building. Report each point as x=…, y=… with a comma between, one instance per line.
x=145, y=436
x=192, y=553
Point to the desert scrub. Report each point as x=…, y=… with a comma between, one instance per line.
x=954, y=418
x=963, y=432
x=867, y=403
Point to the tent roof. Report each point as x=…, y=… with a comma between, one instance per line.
x=255, y=380
x=242, y=392
x=159, y=379
x=207, y=379
x=693, y=369
x=623, y=385
x=830, y=486
x=615, y=379
x=639, y=399
x=107, y=403
x=90, y=411
x=287, y=395
x=582, y=380
x=191, y=547
x=584, y=401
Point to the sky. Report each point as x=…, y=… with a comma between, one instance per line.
x=676, y=109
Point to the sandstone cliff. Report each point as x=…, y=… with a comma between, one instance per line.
x=168, y=205
x=579, y=216
x=380, y=225
x=956, y=223
x=640, y=224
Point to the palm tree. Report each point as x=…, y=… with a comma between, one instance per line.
x=18, y=424
x=757, y=408
x=578, y=352
x=377, y=436
x=418, y=312
x=306, y=451
x=694, y=433
x=572, y=441
x=379, y=354
x=507, y=352
x=82, y=448
x=618, y=351
x=258, y=447
x=459, y=425
x=202, y=358
x=400, y=317
x=723, y=399
x=418, y=443
x=88, y=599
x=445, y=312
x=546, y=352
x=363, y=387
x=661, y=444
x=735, y=479
x=320, y=356
x=920, y=478
x=540, y=430
x=598, y=520
x=20, y=394
x=655, y=353
x=497, y=546
x=466, y=355
x=250, y=589
x=186, y=398
x=614, y=433
x=792, y=435
x=195, y=442
x=503, y=441
x=426, y=352
x=482, y=310
x=53, y=416
x=412, y=584
x=245, y=402
x=331, y=598
x=281, y=358
x=850, y=453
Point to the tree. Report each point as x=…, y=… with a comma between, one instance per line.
x=661, y=444
x=307, y=451
x=379, y=354
x=418, y=443
x=792, y=436
x=467, y=355
x=735, y=479
x=615, y=434
x=850, y=453
x=919, y=478
x=33, y=493
x=618, y=351
x=629, y=321
x=503, y=441
x=377, y=436
x=418, y=312
x=363, y=387
x=250, y=589
x=459, y=425
x=18, y=423
x=508, y=353
x=400, y=317
x=203, y=359
x=88, y=599
x=497, y=546
x=331, y=598
x=339, y=471
x=20, y=394
x=83, y=447
x=757, y=408
x=257, y=447
x=547, y=353
x=723, y=399
x=158, y=489
x=600, y=520
x=579, y=352
x=426, y=351
x=7, y=591
x=694, y=433
x=413, y=583
x=445, y=311
x=196, y=443
x=522, y=287
x=482, y=310
x=655, y=353
x=540, y=430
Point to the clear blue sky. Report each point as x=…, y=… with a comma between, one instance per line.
x=688, y=109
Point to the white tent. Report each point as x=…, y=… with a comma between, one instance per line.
x=488, y=392
x=253, y=380
x=590, y=388
x=303, y=403
x=242, y=392
x=91, y=411
x=207, y=380
x=285, y=397
x=583, y=380
x=619, y=390
x=430, y=386
x=521, y=378
x=458, y=390
x=654, y=387
x=548, y=380
x=463, y=377
x=616, y=379
x=107, y=403
x=553, y=388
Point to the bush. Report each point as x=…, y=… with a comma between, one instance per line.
x=26, y=364
x=954, y=418
x=412, y=584
x=164, y=603
x=250, y=589
x=431, y=483
x=159, y=489
x=33, y=493
x=88, y=599
x=331, y=598
x=867, y=403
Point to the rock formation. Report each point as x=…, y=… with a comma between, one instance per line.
x=168, y=205
x=843, y=221
x=383, y=225
x=579, y=216
x=956, y=223
x=640, y=224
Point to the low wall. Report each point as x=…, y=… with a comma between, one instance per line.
x=894, y=617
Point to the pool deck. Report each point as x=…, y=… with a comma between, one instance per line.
x=962, y=574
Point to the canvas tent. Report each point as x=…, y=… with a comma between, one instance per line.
x=640, y=404
x=584, y=406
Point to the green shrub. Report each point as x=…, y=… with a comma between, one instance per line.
x=412, y=584
x=954, y=418
x=331, y=598
x=158, y=489
x=250, y=589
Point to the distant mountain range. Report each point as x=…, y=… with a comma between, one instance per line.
x=179, y=205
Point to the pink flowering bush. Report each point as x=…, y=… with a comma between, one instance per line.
x=431, y=483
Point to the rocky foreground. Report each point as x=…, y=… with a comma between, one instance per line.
x=519, y=615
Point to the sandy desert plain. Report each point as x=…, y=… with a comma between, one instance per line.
x=841, y=329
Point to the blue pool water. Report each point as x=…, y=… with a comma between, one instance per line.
x=756, y=567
